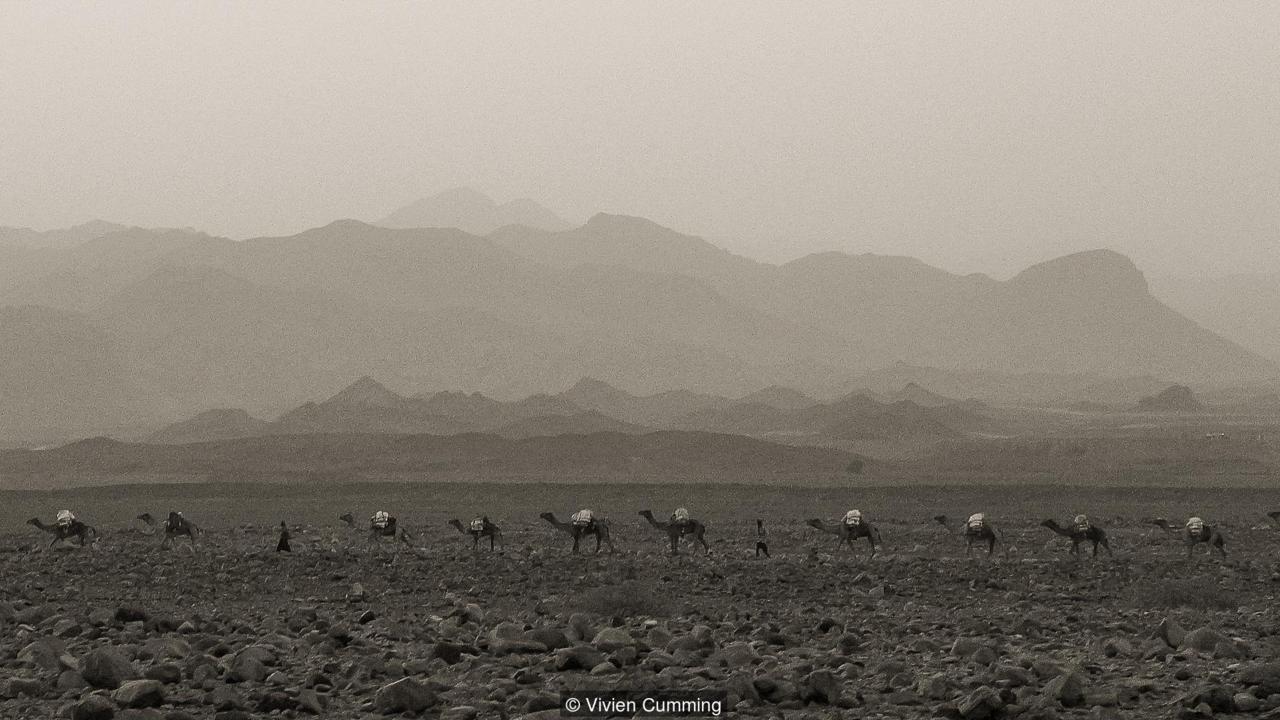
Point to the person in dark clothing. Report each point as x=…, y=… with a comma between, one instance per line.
x=283, y=545
x=761, y=545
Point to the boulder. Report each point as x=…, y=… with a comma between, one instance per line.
x=107, y=668
x=139, y=694
x=404, y=695
x=93, y=707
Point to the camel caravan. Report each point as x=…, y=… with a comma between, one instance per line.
x=853, y=526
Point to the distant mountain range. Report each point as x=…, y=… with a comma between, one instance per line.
x=592, y=406
x=473, y=212
x=103, y=326
x=600, y=457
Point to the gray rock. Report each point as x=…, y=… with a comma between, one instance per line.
x=982, y=703
x=1245, y=702
x=107, y=668
x=1068, y=689
x=93, y=707
x=578, y=657
x=404, y=695
x=1203, y=639
x=139, y=694
x=610, y=639
x=1264, y=675
x=738, y=654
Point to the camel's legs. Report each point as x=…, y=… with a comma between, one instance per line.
x=706, y=548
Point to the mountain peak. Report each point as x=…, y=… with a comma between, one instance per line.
x=474, y=212
x=366, y=392
x=1100, y=269
x=630, y=224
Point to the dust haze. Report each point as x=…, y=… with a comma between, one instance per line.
x=979, y=139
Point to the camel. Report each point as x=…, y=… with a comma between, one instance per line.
x=1080, y=531
x=762, y=543
x=66, y=531
x=480, y=528
x=597, y=526
x=976, y=528
x=382, y=525
x=676, y=529
x=849, y=532
x=1197, y=531
x=149, y=521
x=175, y=526
x=1275, y=516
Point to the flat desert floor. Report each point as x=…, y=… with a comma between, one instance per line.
x=339, y=628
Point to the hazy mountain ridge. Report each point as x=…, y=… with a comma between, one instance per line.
x=667, y=455
x=473, y=212
x=197, y=322
x=1244, y=306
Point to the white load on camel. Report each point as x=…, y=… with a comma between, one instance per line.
x=583, y=518
x=976, y=521
x=380, y=519
x=1082, y=523
x=477, y=525
x=680, y=516
x=1195, y=526
x=853, y=517
x=66, y=517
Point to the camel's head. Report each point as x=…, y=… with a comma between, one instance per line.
x=1049, y=523
x=942, y=519
x=347, y=518
x=146, y=518
x=646, y=514
x=456, y=523
x=813, y=522
x=34, y=521
x=1274, y=515
x=548, y=516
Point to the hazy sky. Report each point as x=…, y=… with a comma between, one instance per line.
x=977, y=136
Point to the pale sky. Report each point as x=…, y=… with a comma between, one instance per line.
x=977, y=136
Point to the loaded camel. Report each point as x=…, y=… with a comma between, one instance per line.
x=382, y=524
x=175, y=526
x=1197, y=531
x=65, y=528
x=679, y=526
x=480, y=528
x=852, y=527
x=1080, y=531
x=976, y=529
x=582, y=524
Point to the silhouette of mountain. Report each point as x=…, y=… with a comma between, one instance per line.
x=263, y=324
x=59, y=238
x=914, y=393
x=1243, y=307
x=473, y=212
x=653, y=457
x=1175, y=398
x=776, y=396
x=211, y=425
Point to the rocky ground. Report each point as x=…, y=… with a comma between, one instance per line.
x=233, y=630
